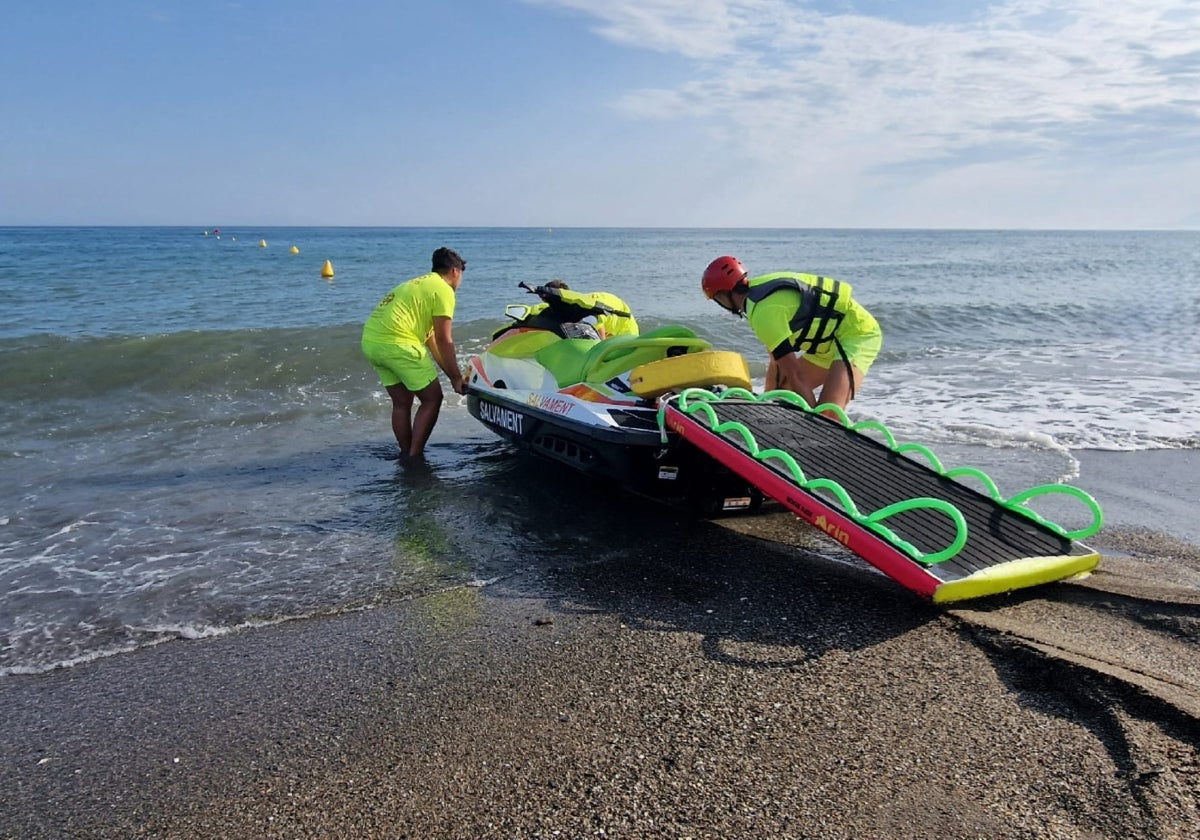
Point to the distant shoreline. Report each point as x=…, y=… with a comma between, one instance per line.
x=234, y=228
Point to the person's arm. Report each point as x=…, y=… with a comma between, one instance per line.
x=441, y=344
x=770, y=321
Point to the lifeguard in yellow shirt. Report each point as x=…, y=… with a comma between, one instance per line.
x=404, y=336
x=793, y=313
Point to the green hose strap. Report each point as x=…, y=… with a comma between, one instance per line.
x=960, y=528
x=788, y=461
x=839, y=492
x=923, y=451
x=986, y=480
x=1016, y=503
x=875, y=425
x=874, y=522
x=784, y=396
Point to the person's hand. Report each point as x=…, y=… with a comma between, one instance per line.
x=459, y=386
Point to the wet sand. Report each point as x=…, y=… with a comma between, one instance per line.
x=752, y=689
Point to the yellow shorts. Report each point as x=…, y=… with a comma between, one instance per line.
x=409, y=365
x=859, y=335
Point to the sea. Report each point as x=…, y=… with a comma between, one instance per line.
x=192, y=444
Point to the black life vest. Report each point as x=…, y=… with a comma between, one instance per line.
x=823, y=305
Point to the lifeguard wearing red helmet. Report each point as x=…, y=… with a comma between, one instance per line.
x=820, y=339
x=722, y=275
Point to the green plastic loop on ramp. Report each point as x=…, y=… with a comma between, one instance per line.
x=889, y=439
x=731, y=394
x=923, y=451
x=839, y=492
x=787, y=460
x=739, y=429
x=784, y=396
x=960, y=528
x=1017, y=503
x=990, y=485
x=825, y=408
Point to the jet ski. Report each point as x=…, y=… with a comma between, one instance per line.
x=550, y=384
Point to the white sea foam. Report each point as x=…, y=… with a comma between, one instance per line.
x=144, y=637
x=1012, y=399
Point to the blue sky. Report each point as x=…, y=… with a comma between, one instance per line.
x=680, y=113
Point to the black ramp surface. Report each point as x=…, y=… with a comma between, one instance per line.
x=875, y=477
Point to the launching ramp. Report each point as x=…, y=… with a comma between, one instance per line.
x=892, y=504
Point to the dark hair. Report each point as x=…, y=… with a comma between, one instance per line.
x=557, y=284
x=445, y=259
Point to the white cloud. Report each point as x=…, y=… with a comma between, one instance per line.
x=850, y=99
x=693, y=28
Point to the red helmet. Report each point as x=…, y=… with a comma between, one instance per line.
x=722, y=275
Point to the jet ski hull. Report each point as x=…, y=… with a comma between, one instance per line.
x=633, y=456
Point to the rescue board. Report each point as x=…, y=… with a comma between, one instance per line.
x=702, y=370
x=895, y=505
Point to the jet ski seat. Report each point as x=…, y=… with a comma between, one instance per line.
x=565, y=359
x=625, y=352
x=574, y=360
x=524, y=344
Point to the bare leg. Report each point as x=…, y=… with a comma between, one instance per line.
x=402, y=423
x=835, y=386
x=806, y=384
x=427, y=417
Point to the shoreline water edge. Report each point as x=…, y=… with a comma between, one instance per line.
x=729, y=679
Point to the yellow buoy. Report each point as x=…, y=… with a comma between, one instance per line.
x=327, y=269
x=262, y=243
x=295, y=250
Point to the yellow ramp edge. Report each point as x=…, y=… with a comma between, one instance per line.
x=1015, y=574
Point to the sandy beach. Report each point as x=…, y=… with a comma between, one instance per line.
x=724, y=684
